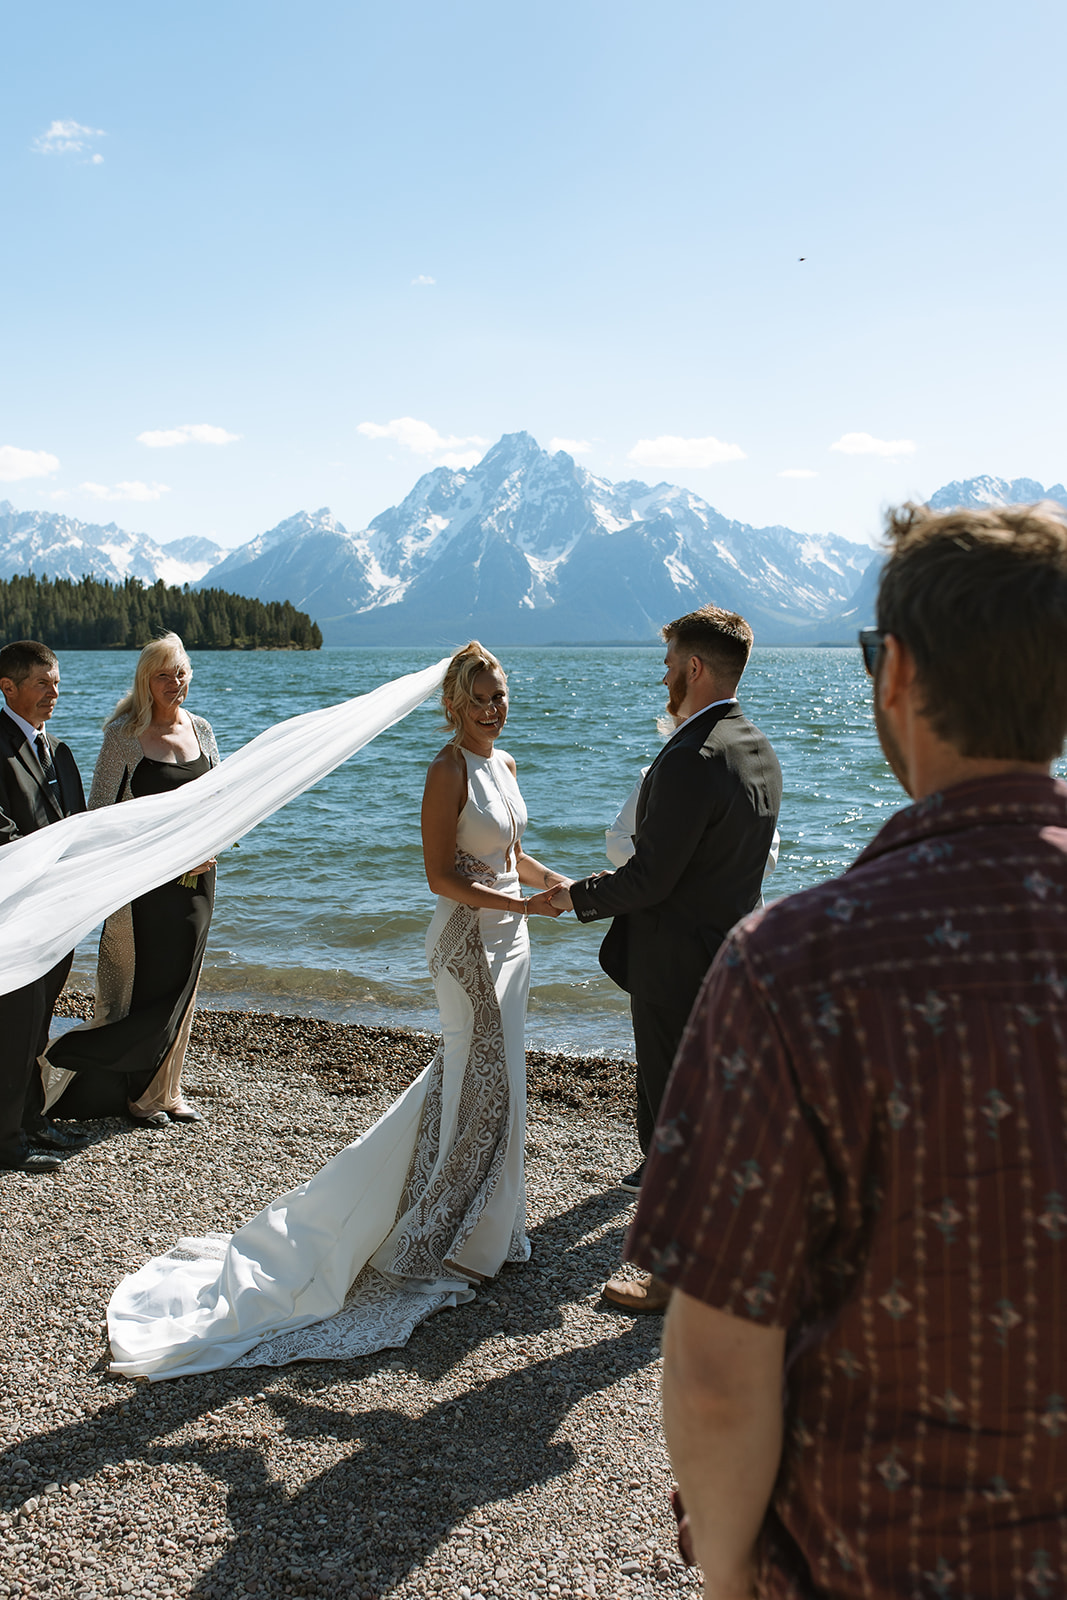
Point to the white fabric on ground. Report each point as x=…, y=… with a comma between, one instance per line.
x=57, y=884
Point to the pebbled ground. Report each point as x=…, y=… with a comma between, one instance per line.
x=512, y=1449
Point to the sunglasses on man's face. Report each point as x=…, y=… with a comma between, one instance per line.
x=871, y=642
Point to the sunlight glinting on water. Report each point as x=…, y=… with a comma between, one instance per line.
x=323, y=908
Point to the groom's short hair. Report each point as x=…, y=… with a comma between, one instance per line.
x=721, y=639
x=979, y=598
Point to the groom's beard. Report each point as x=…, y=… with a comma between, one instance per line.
x=676, y=688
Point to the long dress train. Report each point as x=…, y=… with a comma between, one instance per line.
x=428, y=1202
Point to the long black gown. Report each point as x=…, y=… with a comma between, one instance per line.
x=116, y=1062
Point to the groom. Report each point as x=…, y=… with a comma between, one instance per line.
x=706, y=816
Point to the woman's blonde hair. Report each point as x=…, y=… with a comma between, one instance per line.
x=457, y=691
x=165, y=651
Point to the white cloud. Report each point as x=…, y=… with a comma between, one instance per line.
x=126, y=491
x=188, y=433
x=573, y=447
x=798, y=472
x=69, y=138
x=670, y=451
x=16, y=464
x=423, y=280
x=445, y=450
x=865, y=444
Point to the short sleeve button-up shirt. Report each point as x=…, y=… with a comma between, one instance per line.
x=865, y=1142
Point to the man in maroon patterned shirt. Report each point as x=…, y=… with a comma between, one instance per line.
x=858, y=1189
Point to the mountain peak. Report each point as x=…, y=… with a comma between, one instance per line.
x=974, y=493
x=514, y=449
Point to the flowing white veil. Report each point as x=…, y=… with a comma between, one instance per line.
x=57, y=884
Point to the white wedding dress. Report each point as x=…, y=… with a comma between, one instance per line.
x=428, y=1202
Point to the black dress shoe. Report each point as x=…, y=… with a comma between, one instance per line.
x=155, y=1119
x=49, y=1137
x=185, y=1113
x=34, y=1162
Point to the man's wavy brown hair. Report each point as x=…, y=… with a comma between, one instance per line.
x=721, y=639
x=980, y=600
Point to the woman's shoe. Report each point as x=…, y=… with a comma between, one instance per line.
x=155, y=1119
x=184, y=1112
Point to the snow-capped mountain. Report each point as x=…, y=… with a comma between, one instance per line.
x=974, y=493
x=310, y=554
x=524, y=548
x=528, y=547
x=52, y=545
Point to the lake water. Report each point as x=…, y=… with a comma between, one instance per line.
x=323, y=908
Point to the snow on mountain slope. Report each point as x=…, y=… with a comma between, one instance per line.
x=50, y=544
x=524, y=547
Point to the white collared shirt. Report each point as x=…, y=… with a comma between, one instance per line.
x=27, y=728
x=731, y=700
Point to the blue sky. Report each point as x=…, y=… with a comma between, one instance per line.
x=265, y=257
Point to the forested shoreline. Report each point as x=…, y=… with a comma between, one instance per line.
x=85, y=614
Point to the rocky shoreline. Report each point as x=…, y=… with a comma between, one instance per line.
x=513, y=1448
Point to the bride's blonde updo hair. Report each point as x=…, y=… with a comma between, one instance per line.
x=457, y=691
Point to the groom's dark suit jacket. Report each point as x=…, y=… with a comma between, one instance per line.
x=26, y=804
x=706, y=816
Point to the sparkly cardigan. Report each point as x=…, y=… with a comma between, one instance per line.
x=120, y=753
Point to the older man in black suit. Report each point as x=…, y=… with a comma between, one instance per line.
x=39, y=784
x=706, y=817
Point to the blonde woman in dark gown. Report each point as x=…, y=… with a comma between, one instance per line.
x=130, y=1057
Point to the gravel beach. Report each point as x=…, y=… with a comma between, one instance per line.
x=513, y=1448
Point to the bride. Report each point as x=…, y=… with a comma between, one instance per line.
x=430, y=1200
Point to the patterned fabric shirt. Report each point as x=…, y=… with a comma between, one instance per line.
x=865, y=1141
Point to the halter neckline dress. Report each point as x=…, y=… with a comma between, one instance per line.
x=414, y=1213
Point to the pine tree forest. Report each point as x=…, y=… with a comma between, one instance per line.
x=84, y=614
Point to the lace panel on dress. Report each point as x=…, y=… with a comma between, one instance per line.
x=446, y=1192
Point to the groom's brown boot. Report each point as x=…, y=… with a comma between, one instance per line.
x=646, y=1293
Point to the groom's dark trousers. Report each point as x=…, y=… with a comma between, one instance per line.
x=27, y=803
x=706, y=817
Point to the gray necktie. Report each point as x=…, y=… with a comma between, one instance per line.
x=44, y=756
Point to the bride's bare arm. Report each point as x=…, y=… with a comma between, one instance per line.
x=443, y=799
x=537, y=876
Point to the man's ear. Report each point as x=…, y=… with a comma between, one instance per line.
x=896, y=671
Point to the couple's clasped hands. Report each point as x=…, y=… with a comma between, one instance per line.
x=559, y=897
x=550, y=902
x=555, y=900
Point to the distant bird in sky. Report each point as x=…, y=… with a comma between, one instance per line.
x=802, y=258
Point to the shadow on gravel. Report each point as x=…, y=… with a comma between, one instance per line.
x=402, y=1483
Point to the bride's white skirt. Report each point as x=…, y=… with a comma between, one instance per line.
x=427, y=1202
